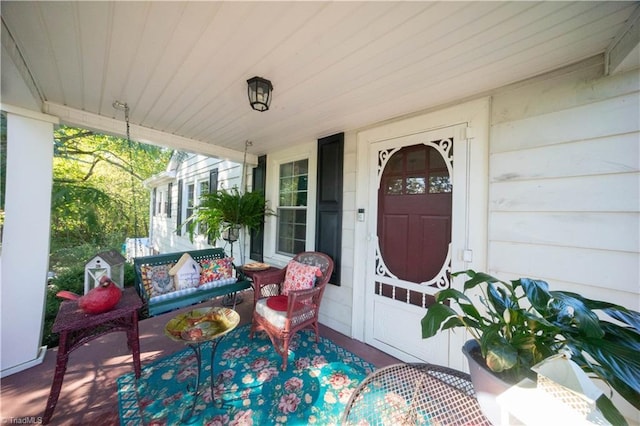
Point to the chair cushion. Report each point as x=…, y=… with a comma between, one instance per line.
x=276, y=318
x=278, y=303
x=299, y=277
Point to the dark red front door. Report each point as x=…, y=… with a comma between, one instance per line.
x=414, y=213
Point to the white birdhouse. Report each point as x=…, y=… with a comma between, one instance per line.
x=109, y=263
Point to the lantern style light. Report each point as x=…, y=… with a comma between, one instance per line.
x=259, y=93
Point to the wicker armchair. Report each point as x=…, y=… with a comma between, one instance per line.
x=302, y=306
x=414, y=394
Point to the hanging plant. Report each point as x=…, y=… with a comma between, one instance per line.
x=225, y=209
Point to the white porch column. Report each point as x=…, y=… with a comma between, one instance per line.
x=24, y=257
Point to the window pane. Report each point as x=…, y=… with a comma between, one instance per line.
x=292, y=230
x=300, y=216
x=436, y=161
x=286, y=184
x=204, y=188
x=416, y=185
x=191, y=194
x=394, y=186
x=285, y=245
x=440, y=183
x=416, y=160
x=302, y=183
x=298, y=246
x=286, y=199
x=286, y=169
x=286, y=215
x=301, y=232
x=190, y=199
x=394, y=165
x=301, y=167
x=301, y=198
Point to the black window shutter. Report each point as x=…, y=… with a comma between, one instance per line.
x=179, y=209
x=169, y=199
x=213, y=181
x=213, y=187
x=258, y=183
x=154, y=200
x=329, y=200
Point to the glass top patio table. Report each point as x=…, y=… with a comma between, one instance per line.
x=194, y=328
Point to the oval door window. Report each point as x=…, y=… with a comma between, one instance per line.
x=414, y=213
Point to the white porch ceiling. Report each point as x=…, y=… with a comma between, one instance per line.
x=335, y=66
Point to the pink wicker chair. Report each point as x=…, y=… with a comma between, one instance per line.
x=303, y=306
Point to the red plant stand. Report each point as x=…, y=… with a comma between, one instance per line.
x=77, y=328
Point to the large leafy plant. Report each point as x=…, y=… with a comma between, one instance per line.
x=220, y=210
x=521, y=322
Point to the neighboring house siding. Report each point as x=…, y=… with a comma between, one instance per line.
x=564, y=182
x=193, y=170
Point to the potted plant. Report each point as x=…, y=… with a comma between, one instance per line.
x=223, y=213
x=519, y=323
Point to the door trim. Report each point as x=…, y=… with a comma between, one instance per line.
x=469, y=238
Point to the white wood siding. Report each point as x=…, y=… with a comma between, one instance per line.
x=564, y=185
x=194, y=169
x=564, y=201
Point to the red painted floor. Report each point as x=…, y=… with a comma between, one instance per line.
x=89, y=392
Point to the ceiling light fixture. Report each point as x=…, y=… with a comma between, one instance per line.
x=259, y=92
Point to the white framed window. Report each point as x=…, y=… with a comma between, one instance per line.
x=190, y=199
x=168, y=203
x=292, y=207
x=194, y=191
x=291, y=193
x=203, y=188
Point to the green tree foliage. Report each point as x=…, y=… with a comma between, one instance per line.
x=97, y=202
x=98, y=197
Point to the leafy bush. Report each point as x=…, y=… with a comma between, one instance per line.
x=72, y=280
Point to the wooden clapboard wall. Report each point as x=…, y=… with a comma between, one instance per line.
x=564, y=182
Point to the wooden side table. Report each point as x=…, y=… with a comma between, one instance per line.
x=251, y=272
x=258, y=290
x=77, y=328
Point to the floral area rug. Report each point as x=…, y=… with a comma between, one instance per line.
x=249, y=386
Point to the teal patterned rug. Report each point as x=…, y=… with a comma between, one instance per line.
x=249, y=382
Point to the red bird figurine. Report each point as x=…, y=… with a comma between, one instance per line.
x=98, y=300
